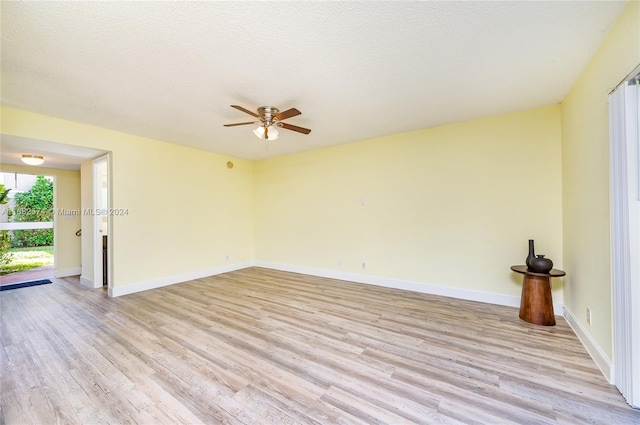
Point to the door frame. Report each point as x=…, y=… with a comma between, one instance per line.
x=98, y=211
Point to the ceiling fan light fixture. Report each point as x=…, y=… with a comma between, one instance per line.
x=32, y=159
x=270, y=121
x=272, y=132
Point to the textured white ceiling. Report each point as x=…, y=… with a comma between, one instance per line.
x=56, y=155
x=356, y=70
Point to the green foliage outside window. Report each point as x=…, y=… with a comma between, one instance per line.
x=4, y=194
x=36, y=204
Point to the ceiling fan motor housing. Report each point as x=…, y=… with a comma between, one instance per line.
x=267, y=114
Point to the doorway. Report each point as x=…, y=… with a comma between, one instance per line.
x=27, y=226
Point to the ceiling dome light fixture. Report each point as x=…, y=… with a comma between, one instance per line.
x=33, y=159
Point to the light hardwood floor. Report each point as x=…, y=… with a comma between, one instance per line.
x=258, y=346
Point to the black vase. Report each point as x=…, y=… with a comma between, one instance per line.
x=531, y=255
x=541, y=264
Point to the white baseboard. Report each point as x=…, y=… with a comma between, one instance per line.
x=171, y=280
x=86, y=282
x=460, y=293
x=445, y=291
x=597, y=354
x=68, y=272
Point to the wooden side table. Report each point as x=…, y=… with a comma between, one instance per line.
x=536, y=304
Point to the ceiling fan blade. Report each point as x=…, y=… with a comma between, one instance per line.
x=239, y=123
x=287, y=114
x=246, y=111
x=294, y=128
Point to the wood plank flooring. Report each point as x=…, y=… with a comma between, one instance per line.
x=259, y=346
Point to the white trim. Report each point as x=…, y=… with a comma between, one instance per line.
x=171, y=280
x=86, y=282
x=27, y=225
x=407, y=285
x=460, y=293
x=98, y=271
x=54, y=224
x=68, y=272
x=595, y=351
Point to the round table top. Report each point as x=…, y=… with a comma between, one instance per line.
x=523, y=269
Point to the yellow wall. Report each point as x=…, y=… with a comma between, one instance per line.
x=444, y=206
x=67, y=196
x=451, y=206
x=187, y=210
x=585, y=179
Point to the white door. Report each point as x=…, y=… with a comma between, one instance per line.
x=624, y=121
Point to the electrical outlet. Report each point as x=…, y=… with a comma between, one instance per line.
x=226, y=258
x=364, y=265
x=588, y=315
x=339, y=261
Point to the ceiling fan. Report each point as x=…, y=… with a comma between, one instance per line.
x=270, y=119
